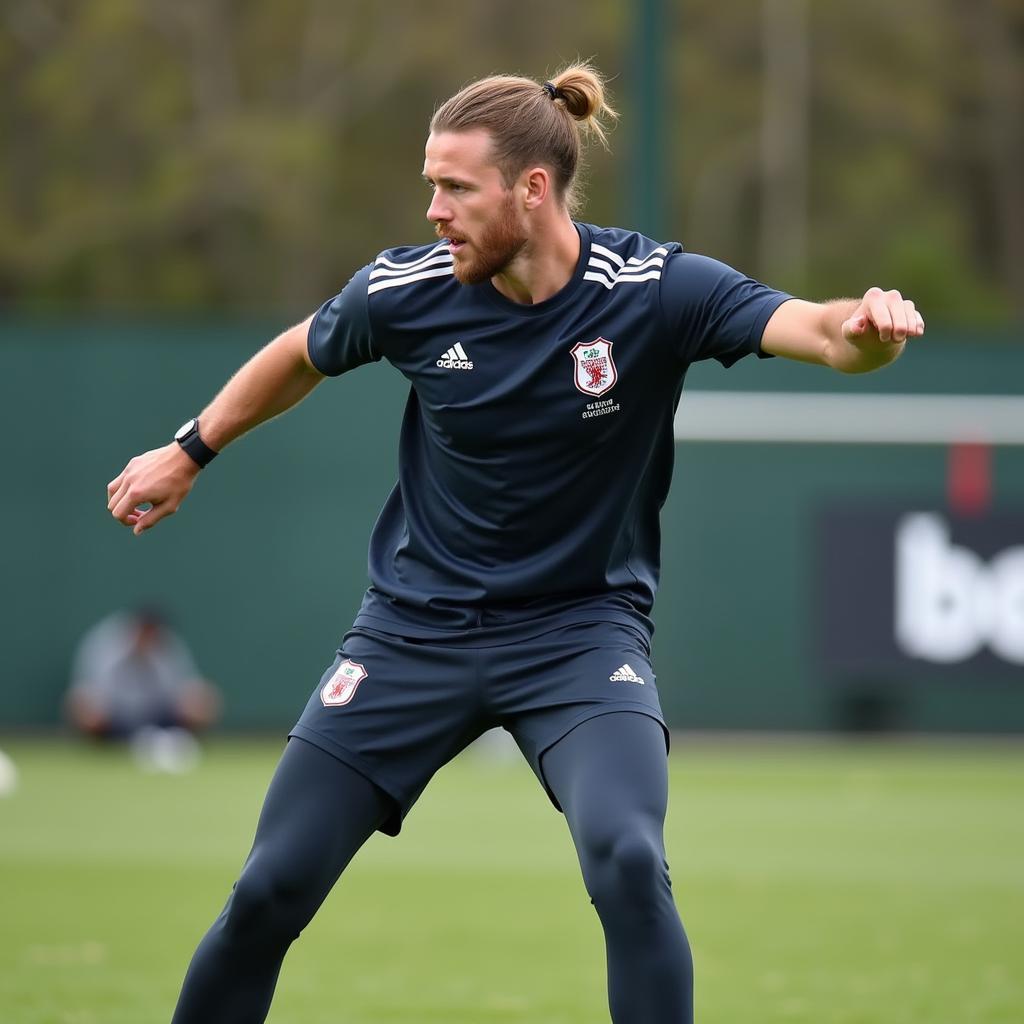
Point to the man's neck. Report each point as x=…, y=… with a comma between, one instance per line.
x=545, y=265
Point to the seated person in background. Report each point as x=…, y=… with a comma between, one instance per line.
x=133, y=672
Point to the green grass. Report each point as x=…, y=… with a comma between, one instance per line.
x=819, y=882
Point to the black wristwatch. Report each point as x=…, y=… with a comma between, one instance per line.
x=188, y=437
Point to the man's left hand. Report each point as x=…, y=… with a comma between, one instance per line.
x=883, y=317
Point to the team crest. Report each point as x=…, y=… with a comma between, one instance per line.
x=342, y=685
x=595, y=369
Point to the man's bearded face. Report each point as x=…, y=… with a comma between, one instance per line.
x=497, y=243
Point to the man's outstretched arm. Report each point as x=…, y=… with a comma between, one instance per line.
x=276, y=378
x=850, y=335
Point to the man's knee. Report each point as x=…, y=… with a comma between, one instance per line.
x=627, y=871
x=263, y=905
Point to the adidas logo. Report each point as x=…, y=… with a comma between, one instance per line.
x=625, y=675
x=455, y=359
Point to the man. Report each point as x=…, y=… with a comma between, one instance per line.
x=513, y=567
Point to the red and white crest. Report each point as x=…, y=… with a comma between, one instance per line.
x=342, y=685
x=595, y=369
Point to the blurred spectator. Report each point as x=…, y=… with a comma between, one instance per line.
x=132, y=674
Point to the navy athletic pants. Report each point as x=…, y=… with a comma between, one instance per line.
x=609, y=776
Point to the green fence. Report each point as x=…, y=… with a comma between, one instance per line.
x=264, y=567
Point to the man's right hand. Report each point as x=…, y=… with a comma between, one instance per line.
x=160, y=478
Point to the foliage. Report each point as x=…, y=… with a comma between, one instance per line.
x=214, y=154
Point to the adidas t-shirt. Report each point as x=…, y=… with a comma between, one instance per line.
x=536, y=448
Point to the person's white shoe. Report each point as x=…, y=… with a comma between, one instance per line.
x=174, y=751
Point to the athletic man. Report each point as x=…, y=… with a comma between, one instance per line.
x=514, y=565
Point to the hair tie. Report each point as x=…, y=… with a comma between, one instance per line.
x=552, y=90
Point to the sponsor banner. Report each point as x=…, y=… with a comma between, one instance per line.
x=918, y=589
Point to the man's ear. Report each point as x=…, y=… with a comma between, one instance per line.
x=537, y=186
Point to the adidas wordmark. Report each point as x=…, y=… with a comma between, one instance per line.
x=455, y=359
x=625, y=675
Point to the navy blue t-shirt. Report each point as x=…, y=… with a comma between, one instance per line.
x=537, y=444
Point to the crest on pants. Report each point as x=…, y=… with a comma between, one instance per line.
x=595, y=370
x=342, y=685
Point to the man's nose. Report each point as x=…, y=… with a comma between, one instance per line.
x=438, y=209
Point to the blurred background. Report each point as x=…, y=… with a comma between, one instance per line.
x=840, y=628
x=181, y=181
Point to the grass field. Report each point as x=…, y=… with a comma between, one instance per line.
x=819, y=882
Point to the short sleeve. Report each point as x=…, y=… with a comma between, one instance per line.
x=98, y=653
x=713, y=311
x=340, y=337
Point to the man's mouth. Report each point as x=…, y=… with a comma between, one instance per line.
x=455, y=244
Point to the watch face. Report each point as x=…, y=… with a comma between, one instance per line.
x=184, y=429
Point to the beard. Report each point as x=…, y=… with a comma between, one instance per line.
x=502, y=240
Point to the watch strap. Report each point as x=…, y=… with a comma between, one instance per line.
x=194, y=446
